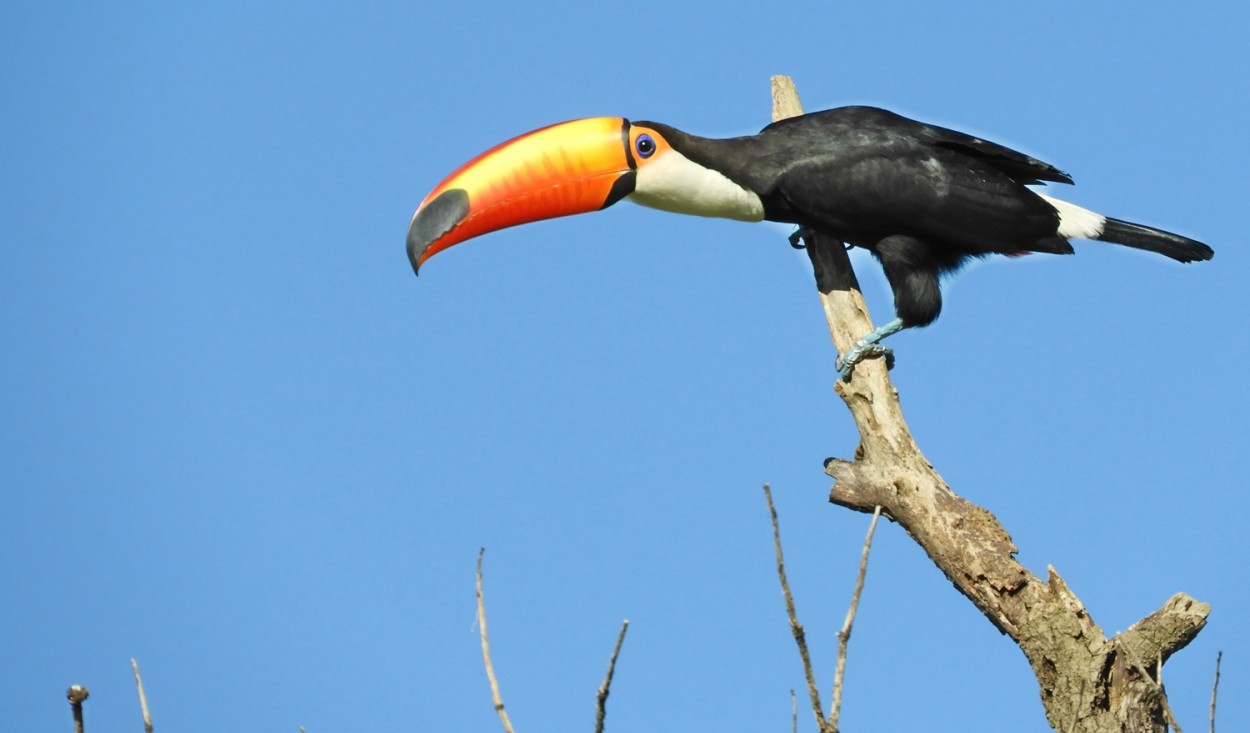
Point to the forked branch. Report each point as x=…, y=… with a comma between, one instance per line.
x=830, y=724
x=601, y=702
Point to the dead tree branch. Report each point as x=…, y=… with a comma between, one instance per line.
x=76, y=695
x=1215, y=687
x=796, y=628
x=490, y=668
x=143, y=698
x=824, y=724
x=1066, y=649
x=844, y=634
x=601, y=705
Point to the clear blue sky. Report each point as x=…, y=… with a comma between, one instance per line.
x=241, y=443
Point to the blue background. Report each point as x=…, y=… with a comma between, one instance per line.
x=241, y=443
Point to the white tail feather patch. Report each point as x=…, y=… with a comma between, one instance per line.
x=1076, y=222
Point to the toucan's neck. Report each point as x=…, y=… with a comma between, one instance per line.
x=699, y=176
x=731, y=156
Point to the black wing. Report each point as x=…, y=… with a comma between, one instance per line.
x=1022, y=168
x=864, y=174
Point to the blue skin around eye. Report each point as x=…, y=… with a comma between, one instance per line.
x=645, y=146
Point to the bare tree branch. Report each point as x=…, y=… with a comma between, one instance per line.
x=490, y=668
x=1215, y=687
x=1064, y=646
x=601, y=707
x=800, y=637
x=143, y=698
x=76, y=694
x=844, y=635
x=1171, y=719
x=794, y=713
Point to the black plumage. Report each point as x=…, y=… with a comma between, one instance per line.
x=923, y=199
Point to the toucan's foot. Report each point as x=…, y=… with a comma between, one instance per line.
x=797, y=236
x=858, y=352
x=869, y=347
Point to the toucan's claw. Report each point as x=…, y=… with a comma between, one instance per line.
x=867, y=347
x=796, y=237
x=858, y=352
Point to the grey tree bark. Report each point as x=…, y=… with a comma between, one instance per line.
x=1089, y=683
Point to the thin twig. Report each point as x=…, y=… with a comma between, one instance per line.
x=1215, y=687
x=143, y=698
x=490, y=668
x=844, y=636
x=76, y=694
x=1170, y=716
x=794, y=713
x=796, y=628
x=601, y=706
x=1167, y=707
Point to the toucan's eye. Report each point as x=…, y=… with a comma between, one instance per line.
x=644, y=145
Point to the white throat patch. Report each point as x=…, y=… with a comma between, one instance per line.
x=673, y=182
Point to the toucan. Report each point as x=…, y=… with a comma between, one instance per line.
x=923, y=199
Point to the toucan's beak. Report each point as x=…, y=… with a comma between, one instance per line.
x=570, y=168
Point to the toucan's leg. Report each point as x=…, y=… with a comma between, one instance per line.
x=867, y=347
x=913, y=267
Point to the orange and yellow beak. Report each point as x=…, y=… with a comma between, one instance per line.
x=564, y=169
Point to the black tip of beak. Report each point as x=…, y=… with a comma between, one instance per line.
x=415, y=246
x=434, y=220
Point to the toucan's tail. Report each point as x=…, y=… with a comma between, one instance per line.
x=1080, y=223
x=1181, y=249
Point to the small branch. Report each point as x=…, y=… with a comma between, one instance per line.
x=794, y=713
x=786, y=101
x=1171, y=718
x=1167, y=706
x=143, y=698
x=844, y=636
x=1215, y=687
x=490, y=668
x=1167, y=630
x=800, y=637
x=76, y=694
x=601, y=707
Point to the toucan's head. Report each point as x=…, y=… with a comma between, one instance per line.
x=569, y=168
